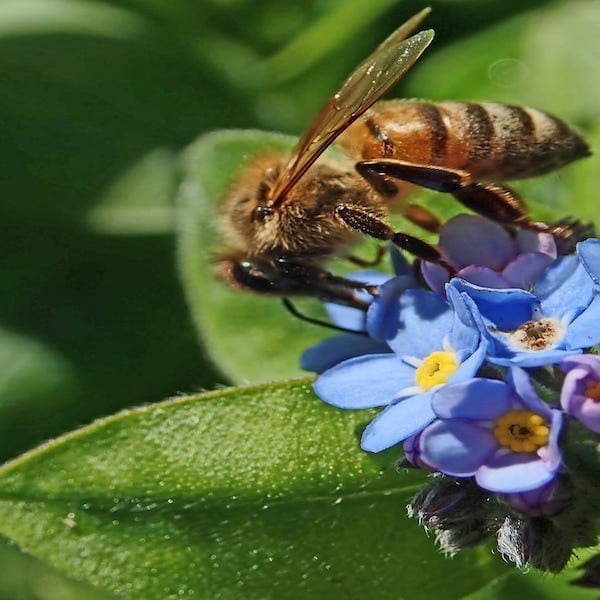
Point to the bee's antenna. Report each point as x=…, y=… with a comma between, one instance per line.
x=294, y=311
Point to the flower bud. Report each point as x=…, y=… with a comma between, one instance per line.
x=457, y=538
x=537, y=542
x=448, y=501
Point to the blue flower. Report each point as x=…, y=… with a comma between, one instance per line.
x=335, y=349
x=499, y=432
x=560, y=318
x=433, y=345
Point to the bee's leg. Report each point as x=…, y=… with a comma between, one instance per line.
x=569, y=231
x=385, y=186
x=285, y=277
x=498, y=203
x=294, y=311
x=362, y=262
x=495, y=202
x=359, y=219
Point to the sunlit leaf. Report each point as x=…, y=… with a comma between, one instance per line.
x=238, y=493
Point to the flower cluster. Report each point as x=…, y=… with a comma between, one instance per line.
x=487, y=377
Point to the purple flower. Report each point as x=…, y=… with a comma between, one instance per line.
x=482, y=252
x=499, y=432
x=433, y=345
x=580, y=394
x=412, y=453
x=560, y=318
x=546, y=500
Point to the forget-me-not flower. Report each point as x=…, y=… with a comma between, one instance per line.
x=434, y=342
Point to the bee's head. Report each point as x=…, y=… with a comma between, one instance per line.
x=303, y=223
x=247, y=218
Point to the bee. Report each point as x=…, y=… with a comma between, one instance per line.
x=284, y=216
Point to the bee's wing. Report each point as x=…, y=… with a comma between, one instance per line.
x=363, y=87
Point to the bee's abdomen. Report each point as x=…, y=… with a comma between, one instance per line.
x=490, y=141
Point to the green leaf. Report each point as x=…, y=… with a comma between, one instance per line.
x=23, y=577
x=140, y=201
x=249, y=492
x=250, y=337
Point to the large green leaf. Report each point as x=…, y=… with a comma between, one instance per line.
x=252, y=338
x=245, y=493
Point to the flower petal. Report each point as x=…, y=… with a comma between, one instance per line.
x=354, y=318
x=475, y=399
x=383, y=315
x=520, y=382
x=590, y=362
x=420, y=311
x=483, y=277
x=504, y=309
x=571, y=393
x=435, y=276
x=526, y=269
x=584, y=331
x=398, y=422
x=572, y=295
x=336, y=349
x=550, y=453
x=471, y=239
x=589, y=254
x=531, y=359
x=456, y=447
x=464, y=332
x=365, y=381
x=469, y=367
x=513, y=472
x=533, y=241
x=589, y=414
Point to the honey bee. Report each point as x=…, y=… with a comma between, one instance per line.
x=284, y=216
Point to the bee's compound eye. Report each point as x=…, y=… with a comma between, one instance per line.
x=261, y=212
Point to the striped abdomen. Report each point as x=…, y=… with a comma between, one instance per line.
x=490, y=141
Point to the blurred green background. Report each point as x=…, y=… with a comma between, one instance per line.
x=96, y=101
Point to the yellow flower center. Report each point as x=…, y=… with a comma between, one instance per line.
x=593, y=391
x=435, y=369
x=521, y=431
